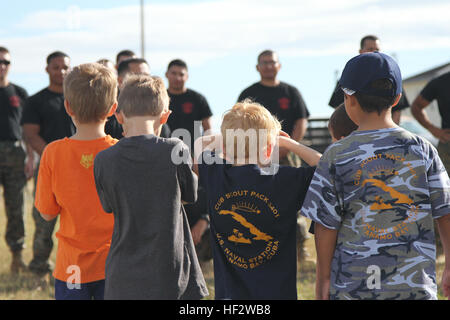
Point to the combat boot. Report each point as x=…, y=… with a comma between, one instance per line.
x=17, y=263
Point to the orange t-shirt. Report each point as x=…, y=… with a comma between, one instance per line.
x=66, y=187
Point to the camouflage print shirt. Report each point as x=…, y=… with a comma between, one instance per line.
x=381, y=190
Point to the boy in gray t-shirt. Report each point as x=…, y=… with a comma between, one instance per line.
x=143, y=180
x=374, y=196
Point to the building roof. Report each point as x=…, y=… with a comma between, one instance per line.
x=426, y=75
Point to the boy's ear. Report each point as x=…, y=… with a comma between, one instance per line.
x=112, y=110
x=119, y=116
x=397, y=100
x=68, y=108
x=269, y=150
x=164, y=116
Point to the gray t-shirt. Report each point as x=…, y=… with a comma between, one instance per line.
x=381, y=190
x=152, y=254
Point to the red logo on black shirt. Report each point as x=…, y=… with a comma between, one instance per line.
x=284, y=103
x=14, y=101
x=187, y=107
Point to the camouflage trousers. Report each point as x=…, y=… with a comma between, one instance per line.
x=12, y=177
x=42, y=241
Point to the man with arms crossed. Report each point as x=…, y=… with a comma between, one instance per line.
x=45, y=120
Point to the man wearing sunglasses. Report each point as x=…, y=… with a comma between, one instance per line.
x=14, y=171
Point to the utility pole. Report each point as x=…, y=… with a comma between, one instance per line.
x=142, y=30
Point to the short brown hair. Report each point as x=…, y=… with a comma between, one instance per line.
x=365, y=38
x=4, y=50
x=143, y=95
x=244, y=116
x=91, y=90
x=340, y=125
x=267, y=52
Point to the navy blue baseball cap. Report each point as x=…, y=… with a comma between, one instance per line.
x=361, y=70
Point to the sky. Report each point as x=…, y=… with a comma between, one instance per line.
x=221, y=39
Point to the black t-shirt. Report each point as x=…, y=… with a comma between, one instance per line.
x=253, y=217
x=46, y=109
x=439, y=89
x=187, y=108
x=284, y=101
x=12, y=100
x=115, y=130
x=337, y=98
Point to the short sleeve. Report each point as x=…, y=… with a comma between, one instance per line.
x=321, y=203
x=186, y=177
x=99, y=185
x=429, y=93
x=30, y=114
x=45, y=200
x=22, y=93
x=205, y=110
x=244, y=95
x=438, y=184
x=300, y=105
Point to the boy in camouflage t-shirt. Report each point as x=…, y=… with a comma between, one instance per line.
x=374, y=195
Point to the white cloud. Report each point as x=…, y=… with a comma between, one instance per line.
x=199, y=32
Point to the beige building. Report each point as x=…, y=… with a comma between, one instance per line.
x=413, y=85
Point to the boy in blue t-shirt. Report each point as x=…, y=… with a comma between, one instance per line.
x=374, y=196
x=253, y=204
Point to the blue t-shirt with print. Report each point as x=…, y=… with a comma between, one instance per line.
x=253, y=227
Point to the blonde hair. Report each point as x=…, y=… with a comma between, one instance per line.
x=91, y=90
x=143, y=95
x=253, y=125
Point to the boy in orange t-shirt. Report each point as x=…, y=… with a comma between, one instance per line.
x=66, y=185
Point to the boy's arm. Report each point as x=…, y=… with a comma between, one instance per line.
x=45, y=200
x=48, y=217
x=29, y=164
x=325, y=240
x=444, y=233
x=187, y=179
x=311, y=156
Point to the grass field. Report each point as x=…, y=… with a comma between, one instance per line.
x=26, y=287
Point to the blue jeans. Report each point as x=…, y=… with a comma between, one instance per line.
x=87, y=291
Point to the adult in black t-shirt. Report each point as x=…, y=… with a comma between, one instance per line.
x=13, y=170
x=190, y=118
x=129, y=65
x=281, y=99
x=437, y=89
x=369, y=43
x=45, y=120
x=286, y=103
x=190, y=110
